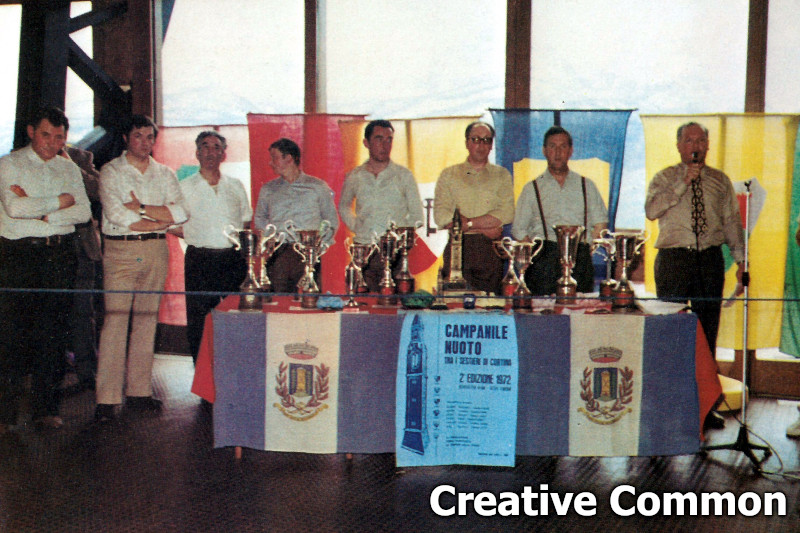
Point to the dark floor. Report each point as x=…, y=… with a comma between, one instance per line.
x=160, y=473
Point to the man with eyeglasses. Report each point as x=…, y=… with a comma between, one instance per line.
x=484, y=196
x=559, y=196
x=377, y=193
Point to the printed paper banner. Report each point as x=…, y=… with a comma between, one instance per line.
x=302, y=382
x=457, y=382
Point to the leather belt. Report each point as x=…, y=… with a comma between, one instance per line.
x=137, y=237
x=52, y=240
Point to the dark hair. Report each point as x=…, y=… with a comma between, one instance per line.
x=376, y=124
x=478, y=123
x=556, y=130
x=287, y=147
x=210, y=133
x=139, y=121
x=52, y=114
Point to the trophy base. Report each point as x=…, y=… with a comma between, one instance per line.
x=621, y=300
x=386, y=296
x=607, y=289
x=309, y=301
x=566, y=295
x=250, y=302
x=404, y=286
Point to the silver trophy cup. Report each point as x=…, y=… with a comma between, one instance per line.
x=310, y=245
x=628, y=243
x=568, y=238
x=607, y=242
x=520, y=254
x=353, y=273
x=249, y=243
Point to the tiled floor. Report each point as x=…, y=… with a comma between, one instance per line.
x=160, y=473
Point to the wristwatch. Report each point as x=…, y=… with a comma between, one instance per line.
x=142, y=210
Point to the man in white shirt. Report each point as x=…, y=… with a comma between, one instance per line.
x=141, y=199
x=43, y=198
x=213, y=202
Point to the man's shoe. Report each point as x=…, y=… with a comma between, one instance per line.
x=714, y=421
x=793, y=431
x=104, y=413
x=143, y=403
x=49, y=422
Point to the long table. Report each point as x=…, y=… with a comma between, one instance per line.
x=231, y=373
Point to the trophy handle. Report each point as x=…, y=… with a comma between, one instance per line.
x=323, y=247
x=538, y=249
x=229, y=231
x=299, y=249
x=507, y=245
x=291, y=230
x=348, y=243
x=280, y=240
x=269, y=232
x=325, y=230
x=639, y=245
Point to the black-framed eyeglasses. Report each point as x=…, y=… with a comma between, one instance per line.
x=481, y=140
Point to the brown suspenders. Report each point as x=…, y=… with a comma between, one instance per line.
x=585, y=208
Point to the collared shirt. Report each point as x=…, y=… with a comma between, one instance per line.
x=43, y=181
x=156, y=186
x=488, y=191
x=669, y=202
x=212, y=210
x=391, y=196
x=306, y=201
x=561, y=206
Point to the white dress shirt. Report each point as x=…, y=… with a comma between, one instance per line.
x=43, y=181
x=213, y=209
x=156, y=186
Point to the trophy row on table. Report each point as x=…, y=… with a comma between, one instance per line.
x=258, y=245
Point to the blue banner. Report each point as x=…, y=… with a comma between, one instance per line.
x=457, y=383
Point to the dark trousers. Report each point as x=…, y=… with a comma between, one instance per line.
x=87, y=315
x=373, y=271
x=684, y=275
x=541, y=277
x=285, y=269
x=482, y=267
x=210, y=271
x=34, y=326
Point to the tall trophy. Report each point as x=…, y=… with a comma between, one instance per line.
x=607, y=242
x=629, y=244
x=520, y=254
x=388, y=247
x=568, y=238
x=269, y=241
x=408, y=237
x=310, y=245
x=455, y=282
x=353, y=274
x=250, y=243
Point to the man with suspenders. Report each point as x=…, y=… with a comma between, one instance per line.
x=559, y=197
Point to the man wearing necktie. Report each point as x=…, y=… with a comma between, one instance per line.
x=697, y=213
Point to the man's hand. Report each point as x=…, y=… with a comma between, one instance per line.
x=692, y=172
x=134, y=204
x=493, y=233
x=19, y=191
x=65, y=200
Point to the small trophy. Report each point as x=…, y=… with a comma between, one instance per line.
x=455, y=282
x=388, y=246
x=408, y=237
x=353, y=275
x=310, y=245
x=607, y=242
x=248, y=242
x=568, y=238
x=521, y=254
x=629, y=243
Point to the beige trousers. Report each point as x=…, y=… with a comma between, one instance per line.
x=125, y=363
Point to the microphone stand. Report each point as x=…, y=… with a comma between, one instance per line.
x=742, y=443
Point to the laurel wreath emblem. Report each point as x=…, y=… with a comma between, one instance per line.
x=303, y=410
x=601, y=414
